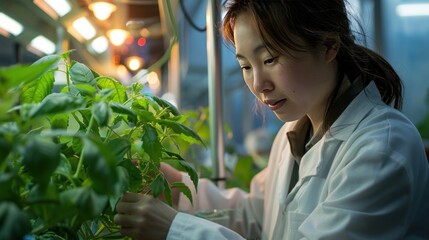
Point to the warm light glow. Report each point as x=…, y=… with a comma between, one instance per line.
x=100, y=44
x=43, y=44
x=153, y=80
x=134, y=63
x=102, y=10
x=123, y=74
x=414, y=9
x=10, y=25
x=117, y=36
x=61, y=7
x=84, y=28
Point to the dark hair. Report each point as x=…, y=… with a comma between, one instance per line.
x=280, y=22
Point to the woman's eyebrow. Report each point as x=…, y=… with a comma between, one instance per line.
x=256, y=50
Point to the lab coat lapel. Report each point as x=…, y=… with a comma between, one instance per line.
x=318, y=159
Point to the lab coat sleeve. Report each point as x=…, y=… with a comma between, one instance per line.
x=244, y=211
x=188, y=227
x=369, y=198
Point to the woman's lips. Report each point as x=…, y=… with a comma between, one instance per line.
x=275, y=104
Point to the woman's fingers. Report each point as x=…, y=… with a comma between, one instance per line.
x=143, y=217
x=131, y=197
x=127, y=220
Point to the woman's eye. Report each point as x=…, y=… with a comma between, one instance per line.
x=245, y=68
x=270, y=61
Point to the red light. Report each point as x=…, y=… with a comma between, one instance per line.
x=141, y=42
x=116, y=59
x=129, y=40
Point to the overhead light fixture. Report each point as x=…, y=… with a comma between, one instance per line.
x=102, y=9
x=84, y=28
x=43, y=44
x=100, y=44
x=117, y=36
x=10, y=25
x=54, y=8
x=61, y=7
x=413, y=9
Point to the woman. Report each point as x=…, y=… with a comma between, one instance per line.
x=345, y=165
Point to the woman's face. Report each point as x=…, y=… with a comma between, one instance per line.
x=290, y=87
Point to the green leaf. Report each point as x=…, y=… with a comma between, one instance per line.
x=151, y=101
x=14, y=75
x=145, y=116
x=42, y=201
x=5, y=148
x=101, y=165
x=6, y=181
x=122, y=109
x=56, y=103
x=119, y=147
x=167, y=193
x=59, y=121
x=14, y=223
x=186, y=133
x=158, y=185
x=151, y=144
x=119, y=93
x=191, y=172
x=86, y=201
x=86, y=90
x=183, y=189
x=243, y=170
x=101, y=113
x=183, y=165
x=41, y=158
x=64, y=167
x=36, y=90
x=140, y=103
x=81, y=74
x=121, y=186
x=135, y=175
x=165, y=104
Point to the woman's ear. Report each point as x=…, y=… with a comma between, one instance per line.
x=332, y=44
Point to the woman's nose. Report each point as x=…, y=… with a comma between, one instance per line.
x=261, y=82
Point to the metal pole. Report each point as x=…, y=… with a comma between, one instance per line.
x=215, y=92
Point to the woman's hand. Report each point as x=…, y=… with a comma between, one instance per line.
x=143, y=217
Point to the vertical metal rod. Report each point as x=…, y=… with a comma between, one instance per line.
x=215, y=92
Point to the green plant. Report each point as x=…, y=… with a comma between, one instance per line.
x=423, y=126
x=67, y=157
x=238, y=174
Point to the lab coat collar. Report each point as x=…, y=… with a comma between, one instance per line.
x=340, y=131
x=347, y=122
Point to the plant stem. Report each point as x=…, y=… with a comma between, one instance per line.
x=79, y=165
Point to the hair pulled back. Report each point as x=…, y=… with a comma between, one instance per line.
x=280, y=22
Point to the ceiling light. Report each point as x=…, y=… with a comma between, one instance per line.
x=117, y=36
x=43, y=44
x=100, y=44
x=102, y=9
x=414, y=9
x=134, y=63
x=61, y=7
x=10, y=25
x=84, y=28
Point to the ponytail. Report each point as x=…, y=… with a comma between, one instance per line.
x=360, y=62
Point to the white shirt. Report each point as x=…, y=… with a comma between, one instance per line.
x=367, y=178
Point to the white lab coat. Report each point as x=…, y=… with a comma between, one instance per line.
x=367, y=178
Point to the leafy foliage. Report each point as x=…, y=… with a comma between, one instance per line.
x=67, y=157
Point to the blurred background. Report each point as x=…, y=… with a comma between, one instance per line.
x=125, y=38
